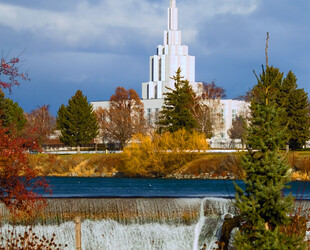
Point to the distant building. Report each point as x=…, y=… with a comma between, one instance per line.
x=169, y=57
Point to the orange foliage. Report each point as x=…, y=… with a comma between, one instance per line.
x=123, y=118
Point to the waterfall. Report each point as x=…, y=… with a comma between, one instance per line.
x=168, y=224
x=207, y=230
x=110, y=235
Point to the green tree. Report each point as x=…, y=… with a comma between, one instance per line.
x=295, y=117
x=263, y=208
x=177, y=112
x=11, y=114
x=77, y=121
x=293, y=103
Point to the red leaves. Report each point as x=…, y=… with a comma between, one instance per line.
x=9, y=74
x=18, y=182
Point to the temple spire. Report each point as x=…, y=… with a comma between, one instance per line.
x=172, y=16
x=172, y=4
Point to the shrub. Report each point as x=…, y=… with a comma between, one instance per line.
x=161, y=154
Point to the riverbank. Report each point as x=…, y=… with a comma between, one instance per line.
x=199, y=166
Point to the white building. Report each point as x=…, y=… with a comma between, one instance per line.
x=169, y=57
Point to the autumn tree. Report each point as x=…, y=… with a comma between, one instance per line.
x=9, y=73
x=77, y=121
x=207, y=111
x=18, y=181
x=177, y=111
x=40, y=124
x=123, y=118
x=237, y=130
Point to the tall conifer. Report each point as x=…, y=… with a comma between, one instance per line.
x=77, y=121
x=178, y=104
x=11, y=115
x=262, y=206
x=295, y=117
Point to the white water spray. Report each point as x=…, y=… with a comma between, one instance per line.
x=165, y=224
x=208, y=228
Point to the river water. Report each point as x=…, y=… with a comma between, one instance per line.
x=132, y=187
x=140, y=213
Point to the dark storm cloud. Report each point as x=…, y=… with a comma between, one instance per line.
x=99, y=45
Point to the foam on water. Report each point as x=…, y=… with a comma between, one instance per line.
x=108, y=234
x=208, y=228
x=168, y=232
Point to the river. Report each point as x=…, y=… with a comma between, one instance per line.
x=140, y=214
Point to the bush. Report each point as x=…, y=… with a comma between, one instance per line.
x=162, y=154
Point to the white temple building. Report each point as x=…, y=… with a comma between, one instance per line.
x=169, y=57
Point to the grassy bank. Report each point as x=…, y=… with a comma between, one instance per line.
x=200, y=166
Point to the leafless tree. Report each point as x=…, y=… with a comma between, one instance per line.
x=123, y=118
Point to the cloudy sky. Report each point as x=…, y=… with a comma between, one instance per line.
x=97, y=45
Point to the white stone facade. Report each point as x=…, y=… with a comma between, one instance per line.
x=229, y=110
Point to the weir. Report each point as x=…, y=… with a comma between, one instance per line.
x=127, y=223
x=141, y=223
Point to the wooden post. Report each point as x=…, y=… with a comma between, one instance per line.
x=78, y=245
x=266, y=49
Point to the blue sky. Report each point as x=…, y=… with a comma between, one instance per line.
x=97, y=45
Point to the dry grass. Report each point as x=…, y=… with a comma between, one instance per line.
x=76, y=165
x=216, y=164
x=200, y=163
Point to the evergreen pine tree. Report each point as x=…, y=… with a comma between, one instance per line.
x=295, y=117
x=77, y=121
x=178, y=105
x=263, y=208
x=11, y=114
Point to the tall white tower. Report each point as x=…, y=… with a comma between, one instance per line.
x=169, y=57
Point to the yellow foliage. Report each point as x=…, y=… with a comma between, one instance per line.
x=301, y=176
x=158, y=154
